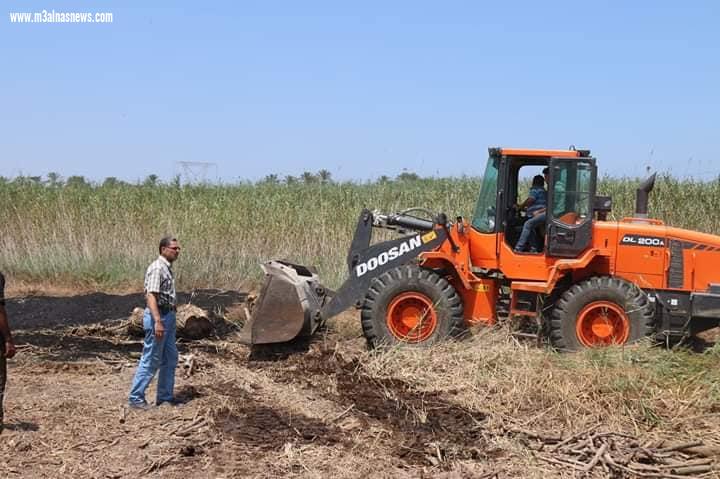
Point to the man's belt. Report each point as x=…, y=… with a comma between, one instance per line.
x=167, y=309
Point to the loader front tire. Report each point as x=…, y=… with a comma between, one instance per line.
x=412, y=306
x=601, y=311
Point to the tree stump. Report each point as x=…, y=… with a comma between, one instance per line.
x=192, y=322
x=135, y=323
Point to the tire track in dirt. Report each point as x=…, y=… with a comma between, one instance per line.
x=425, y=426
x=257, y=425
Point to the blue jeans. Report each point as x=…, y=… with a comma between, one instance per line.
x=162, y=355
x=528, y=232
x=3, y=376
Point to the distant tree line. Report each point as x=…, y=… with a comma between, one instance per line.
x=325, y=177
x=55, y=180
x=307, y=177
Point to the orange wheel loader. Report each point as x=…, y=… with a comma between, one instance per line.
x=587, y=281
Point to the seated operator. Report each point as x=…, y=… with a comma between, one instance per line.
x=536, y=204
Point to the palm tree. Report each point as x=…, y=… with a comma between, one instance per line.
x=151, y=180
x=271, y=179
x=54, y=179
x=110, y=181
x=324, y=175
x=308, y=177
x=76, y=182
x=408, y=176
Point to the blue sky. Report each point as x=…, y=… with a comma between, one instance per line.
x=361, y=89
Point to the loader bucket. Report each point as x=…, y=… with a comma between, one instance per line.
x=288, y=305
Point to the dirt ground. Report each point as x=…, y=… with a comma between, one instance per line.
x=310, y=411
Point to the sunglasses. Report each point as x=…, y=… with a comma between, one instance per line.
x=174, y=248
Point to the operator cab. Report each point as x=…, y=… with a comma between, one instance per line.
x=571, y=175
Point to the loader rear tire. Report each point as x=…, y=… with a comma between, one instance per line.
x=601, y=311
x=412, y=306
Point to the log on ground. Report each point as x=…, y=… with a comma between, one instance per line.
x=192, y=322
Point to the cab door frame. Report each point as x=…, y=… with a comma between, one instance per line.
x=570, y=210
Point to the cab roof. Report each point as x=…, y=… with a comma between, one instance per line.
x=544, y=153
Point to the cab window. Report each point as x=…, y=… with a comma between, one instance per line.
x=571, y=190
x=484, y=216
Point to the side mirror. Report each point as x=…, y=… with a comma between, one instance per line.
x=441, y=219
x=602, y=206
x=603, y=203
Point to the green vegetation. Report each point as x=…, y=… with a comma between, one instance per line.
x=78, y=233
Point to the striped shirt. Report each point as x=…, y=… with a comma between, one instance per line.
x=159, y=279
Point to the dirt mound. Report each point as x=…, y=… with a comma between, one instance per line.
x=38, y=312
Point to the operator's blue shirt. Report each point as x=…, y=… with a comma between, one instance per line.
x=539, y=196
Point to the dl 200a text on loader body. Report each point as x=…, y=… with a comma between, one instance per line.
x=592, y=282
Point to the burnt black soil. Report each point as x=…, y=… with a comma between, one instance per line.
x=424, y=423
x=43, y=312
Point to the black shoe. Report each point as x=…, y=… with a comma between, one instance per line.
x=143, y=406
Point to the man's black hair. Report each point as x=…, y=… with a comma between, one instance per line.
x=546, y=170
x=165, y=242
x=538, y=180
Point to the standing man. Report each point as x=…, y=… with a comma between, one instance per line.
x=159, y=349
x=8, y=347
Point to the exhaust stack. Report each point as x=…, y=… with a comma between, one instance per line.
x=641, y=197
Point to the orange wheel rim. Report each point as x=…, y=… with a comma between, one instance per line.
x=411, y=317
x=602, y=323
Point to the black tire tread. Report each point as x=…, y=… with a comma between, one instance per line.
x=637, y=306
x=412, y=276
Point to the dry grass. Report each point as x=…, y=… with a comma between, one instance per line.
x=639, y=388
x=650, y=394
